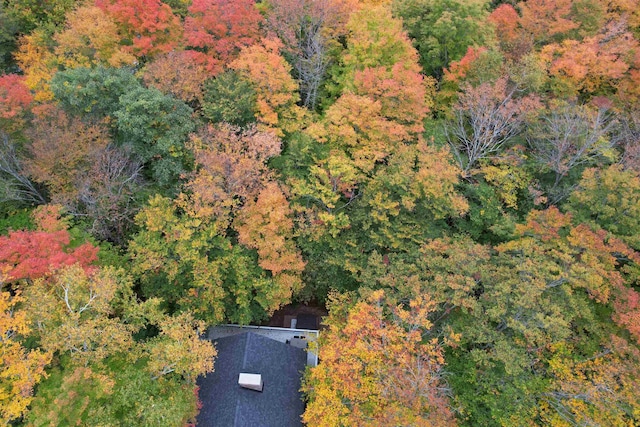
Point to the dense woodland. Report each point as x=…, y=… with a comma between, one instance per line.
x=457, y=181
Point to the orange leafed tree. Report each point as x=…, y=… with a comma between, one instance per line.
x=63, y=149
x=276, y=91
x=177, y=74
x=458, y=70
x=149, y=27
x=37, y=62
x=232, y=169
x=543, y=19
x=595, y=63
x=505, y=18
x=216, y=30
x=266, y=225
x=378, y=366
x=402, y=92
x=515, y=42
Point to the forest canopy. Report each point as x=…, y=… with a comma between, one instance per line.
x=456, y=181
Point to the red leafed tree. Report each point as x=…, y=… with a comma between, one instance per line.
x=33, y=254
x=505, y=18
x=402, y=93
x=15, y=99
x=218, y=29
x=148, y=25
x=627, y=311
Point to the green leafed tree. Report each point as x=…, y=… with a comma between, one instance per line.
x=443, y=30
x=157, y=127
x=110, y=370
x=229, y=98
x=223, y=248
x=609, y=198
x=193, y=265
x=118, y=392
x=375, y=39
x=93, y=92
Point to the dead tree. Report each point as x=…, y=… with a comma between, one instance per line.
x=567, y=137
x=487, y=117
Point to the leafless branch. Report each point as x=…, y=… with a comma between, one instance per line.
x=569, y=136
x=12, y=176
x=486, y=118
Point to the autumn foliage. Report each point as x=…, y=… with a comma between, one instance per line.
x=34, y=254
x=63, y=150
x=20, y=368
x=232, y=168
x=91, y=37
x=15, y=100
x=148, y=26
x=377, y=369
x=176, y=74
x=266, y=225
x=276, y=91
x=216, y=30
x=309, y=30
x=457, y=181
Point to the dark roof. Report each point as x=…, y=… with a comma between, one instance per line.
x=226, y=404
x=307, y=321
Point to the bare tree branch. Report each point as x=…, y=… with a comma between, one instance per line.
x=486, y=118
x=570, y=136
x=13, y=180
